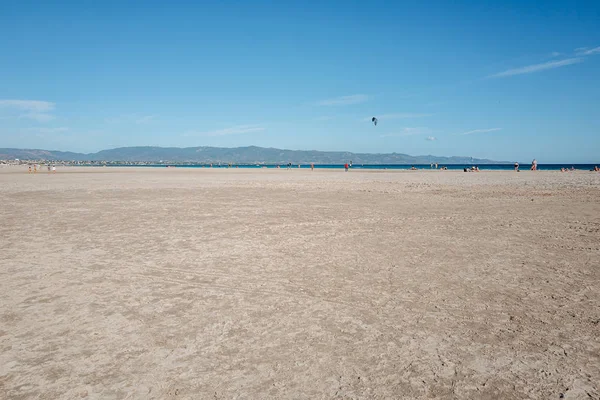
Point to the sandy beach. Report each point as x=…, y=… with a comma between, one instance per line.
x=175, y=283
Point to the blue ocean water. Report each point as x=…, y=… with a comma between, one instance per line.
x=484, y=167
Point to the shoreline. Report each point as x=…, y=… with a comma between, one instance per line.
x=396, y=168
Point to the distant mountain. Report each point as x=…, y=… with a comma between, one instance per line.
x=31, y=154
x=239, y=155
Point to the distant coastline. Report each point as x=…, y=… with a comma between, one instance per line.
x=236, y=155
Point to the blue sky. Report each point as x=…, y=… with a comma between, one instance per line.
x=510, y=81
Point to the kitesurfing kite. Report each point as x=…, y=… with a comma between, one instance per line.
x=374, y=120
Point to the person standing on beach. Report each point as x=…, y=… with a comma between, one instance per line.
x=346, y=167
x=534, y=165
x=517, y=167
x=312, y=166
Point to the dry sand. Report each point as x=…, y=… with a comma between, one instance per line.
x=137, y=283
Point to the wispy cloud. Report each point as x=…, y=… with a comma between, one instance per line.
x=384, y=117
x=29, y=109
x=481, y=131
x=39, y=117
x=555, y=54
x=431, y=138
x=537, y=67
x=146, y=119
x=407, y=132
x=234, y=130
x=344, y=100
x=48, y=130
x=584, y=51
x=28, y=105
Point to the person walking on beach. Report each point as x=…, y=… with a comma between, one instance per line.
x=346, y=167
x=517, y=167
x=312, y=166
x=534, y=165
x=54, y=169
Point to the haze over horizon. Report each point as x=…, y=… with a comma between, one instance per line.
x=510, y=81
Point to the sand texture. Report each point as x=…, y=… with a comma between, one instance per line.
x=140, y=283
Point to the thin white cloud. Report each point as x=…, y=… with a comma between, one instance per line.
x=36, y=106
x=481, y=131
x=39, y=117
x=584, y=51
x=595, y=50
x=384, y=117
x=344, y=100
x=48, y=130
x=537, y=67
x=555, y=54
x=431, y=138
x=146, y=119
x=234, y=130
x=36, y=110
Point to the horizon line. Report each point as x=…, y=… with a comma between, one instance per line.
x=489, y=161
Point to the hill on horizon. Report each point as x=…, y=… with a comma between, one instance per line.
x=238, y=155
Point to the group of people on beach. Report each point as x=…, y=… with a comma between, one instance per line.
x=534, y=166
x=36, y=167
x=595, y=169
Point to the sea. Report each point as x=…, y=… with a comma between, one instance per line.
x=460, y=167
